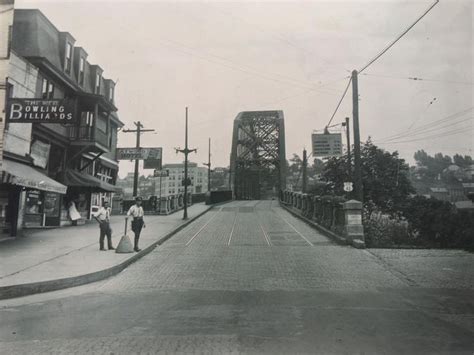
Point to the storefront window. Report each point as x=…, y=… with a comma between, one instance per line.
x=33, y=202
x=51, y=204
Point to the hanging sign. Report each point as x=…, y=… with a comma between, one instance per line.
x=326, y=144
x=161, y=173
x=153, y=160
x=139, y=153
x=40, y=111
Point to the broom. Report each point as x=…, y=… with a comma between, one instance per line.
x=125, y=245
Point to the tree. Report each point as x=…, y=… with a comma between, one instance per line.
x=384, y=176
x=433, y=166
x=296, y=164
x=462, y=161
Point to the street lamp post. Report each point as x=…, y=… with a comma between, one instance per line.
x=185, y=151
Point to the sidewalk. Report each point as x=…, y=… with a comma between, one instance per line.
x=47, y=260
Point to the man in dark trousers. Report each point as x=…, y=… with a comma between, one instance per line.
x=137, y=213
x=103, y=217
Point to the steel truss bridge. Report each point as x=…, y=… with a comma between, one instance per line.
x=258, y=161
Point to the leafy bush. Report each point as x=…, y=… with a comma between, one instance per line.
x=383, y=231
x=420, y=222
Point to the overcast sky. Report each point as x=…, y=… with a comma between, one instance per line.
x=220, y=58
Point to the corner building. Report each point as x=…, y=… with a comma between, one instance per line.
x=79, y=156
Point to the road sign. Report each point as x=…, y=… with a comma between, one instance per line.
x=161, y=173
x=326, y=144
x=139, y=153
x=348, y=186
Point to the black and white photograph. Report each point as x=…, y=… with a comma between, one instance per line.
x=236, y=177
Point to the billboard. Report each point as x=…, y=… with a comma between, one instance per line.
x=139, y=153
x=326, y=144
x=40, y=111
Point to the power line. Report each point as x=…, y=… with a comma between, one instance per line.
x=451, y=125
x=431, y=124
x=263, y=30
x=233, y=65
x=445, y=134
x=340, y=101
x=398, y=38
x=304, y=92
x=420, y=79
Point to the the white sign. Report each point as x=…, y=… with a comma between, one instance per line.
x=354, y=219
x=348, y=186
x=40, y=153
x=326, y=144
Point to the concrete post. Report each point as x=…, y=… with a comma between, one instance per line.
x=353, y=223
x=304, y=205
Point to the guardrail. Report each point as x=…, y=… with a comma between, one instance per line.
x=168, y=204
x=218, y=196
x=333, y=213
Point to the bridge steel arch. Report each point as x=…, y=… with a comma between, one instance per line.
x=258, y=160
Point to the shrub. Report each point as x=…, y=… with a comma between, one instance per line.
x=384, y=231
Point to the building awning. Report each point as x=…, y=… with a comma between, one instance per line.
x=75, y=178
x=27, y=176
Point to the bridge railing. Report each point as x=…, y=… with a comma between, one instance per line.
x=172, y=203
x=335, y=214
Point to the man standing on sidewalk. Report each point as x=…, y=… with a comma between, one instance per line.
x=136, y=211
x=103, y=217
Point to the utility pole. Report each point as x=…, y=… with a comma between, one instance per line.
x=348, y=136
x=358, y=188
x=305, y=172
x=185, y=151
x=208, y=164
x=138, y=131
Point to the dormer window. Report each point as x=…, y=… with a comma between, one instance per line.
x=67, y=65
x=97, y=83
x=111, y=93
x=82, y=64
x=47, y=89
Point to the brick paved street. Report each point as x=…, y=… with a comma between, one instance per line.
x=248, y=277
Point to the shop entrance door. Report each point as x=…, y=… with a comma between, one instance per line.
x=52, y=209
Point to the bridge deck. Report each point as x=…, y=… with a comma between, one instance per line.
x=248, y=277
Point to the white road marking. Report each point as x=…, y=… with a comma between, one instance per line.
x=301, y=235
x=265, y=234
x=200, y=230
x=232, y=231
x=267, y=239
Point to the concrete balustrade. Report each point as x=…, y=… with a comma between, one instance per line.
x=333, y=213
x=173, y=203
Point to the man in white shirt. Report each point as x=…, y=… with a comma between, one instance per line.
x=103, y=217
x=137, y=213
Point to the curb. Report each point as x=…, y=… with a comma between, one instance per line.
x=27, y=289
x=331, y=235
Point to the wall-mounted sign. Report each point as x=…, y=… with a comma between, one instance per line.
x=40, y=153
x=326, y=144
x=42, y=111
x=139, y=153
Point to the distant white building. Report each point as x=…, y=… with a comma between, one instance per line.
x=173, y=184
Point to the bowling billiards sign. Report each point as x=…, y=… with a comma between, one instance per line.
x=40, y=111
